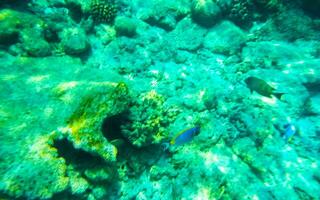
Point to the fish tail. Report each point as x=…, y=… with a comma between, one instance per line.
x=165, y=146
x=278, y=95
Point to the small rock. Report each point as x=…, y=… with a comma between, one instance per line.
x=125, y=26
x=205, y=12
x=74, y=41
x=225, y=38
x=38, y=48
x=34, y=44
x=312, y=105
x=187, y=36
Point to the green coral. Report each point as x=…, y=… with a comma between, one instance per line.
x=149, y=120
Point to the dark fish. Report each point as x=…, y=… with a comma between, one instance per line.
x=185, y=136
x=261, y=87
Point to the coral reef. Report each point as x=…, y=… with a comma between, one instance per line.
x=87, y=109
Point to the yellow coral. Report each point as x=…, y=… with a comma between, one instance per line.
x=150, y=95
x=5, y=14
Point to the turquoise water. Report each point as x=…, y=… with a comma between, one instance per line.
x=189, y=99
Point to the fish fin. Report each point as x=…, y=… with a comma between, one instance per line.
x=173, y=140
x=278, y=95
x=117, y=142
x=165, y=146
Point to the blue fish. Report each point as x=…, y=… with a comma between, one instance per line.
x=185, y=136
x=289, y=132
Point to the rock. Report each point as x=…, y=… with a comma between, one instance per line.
x=205, y=12
x=105, y=33
x=312, y=105
x=294, y=24
x=125, y=26
x=186, y=36
x=34, y=44
x=74, y=41
x=270, y=54
x=163, y=14
x=225, y=38
x=38, y=48
x=9, y=31
x=13, y=22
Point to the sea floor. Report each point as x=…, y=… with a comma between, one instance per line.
x=152, y=99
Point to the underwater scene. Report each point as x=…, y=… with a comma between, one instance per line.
x=160, y=99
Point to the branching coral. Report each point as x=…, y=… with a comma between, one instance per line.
x=150, y=120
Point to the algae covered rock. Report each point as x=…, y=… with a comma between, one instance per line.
x=12, y=22
x=293, y=24
x=34, y=43
x=312, y=105
x=74, y=41
x=187, y=36
x=9, y=26
x=225, y=38
x=40, y=174
x=163, y=13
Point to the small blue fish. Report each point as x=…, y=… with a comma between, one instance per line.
x=185, y=136
x=289, y=132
